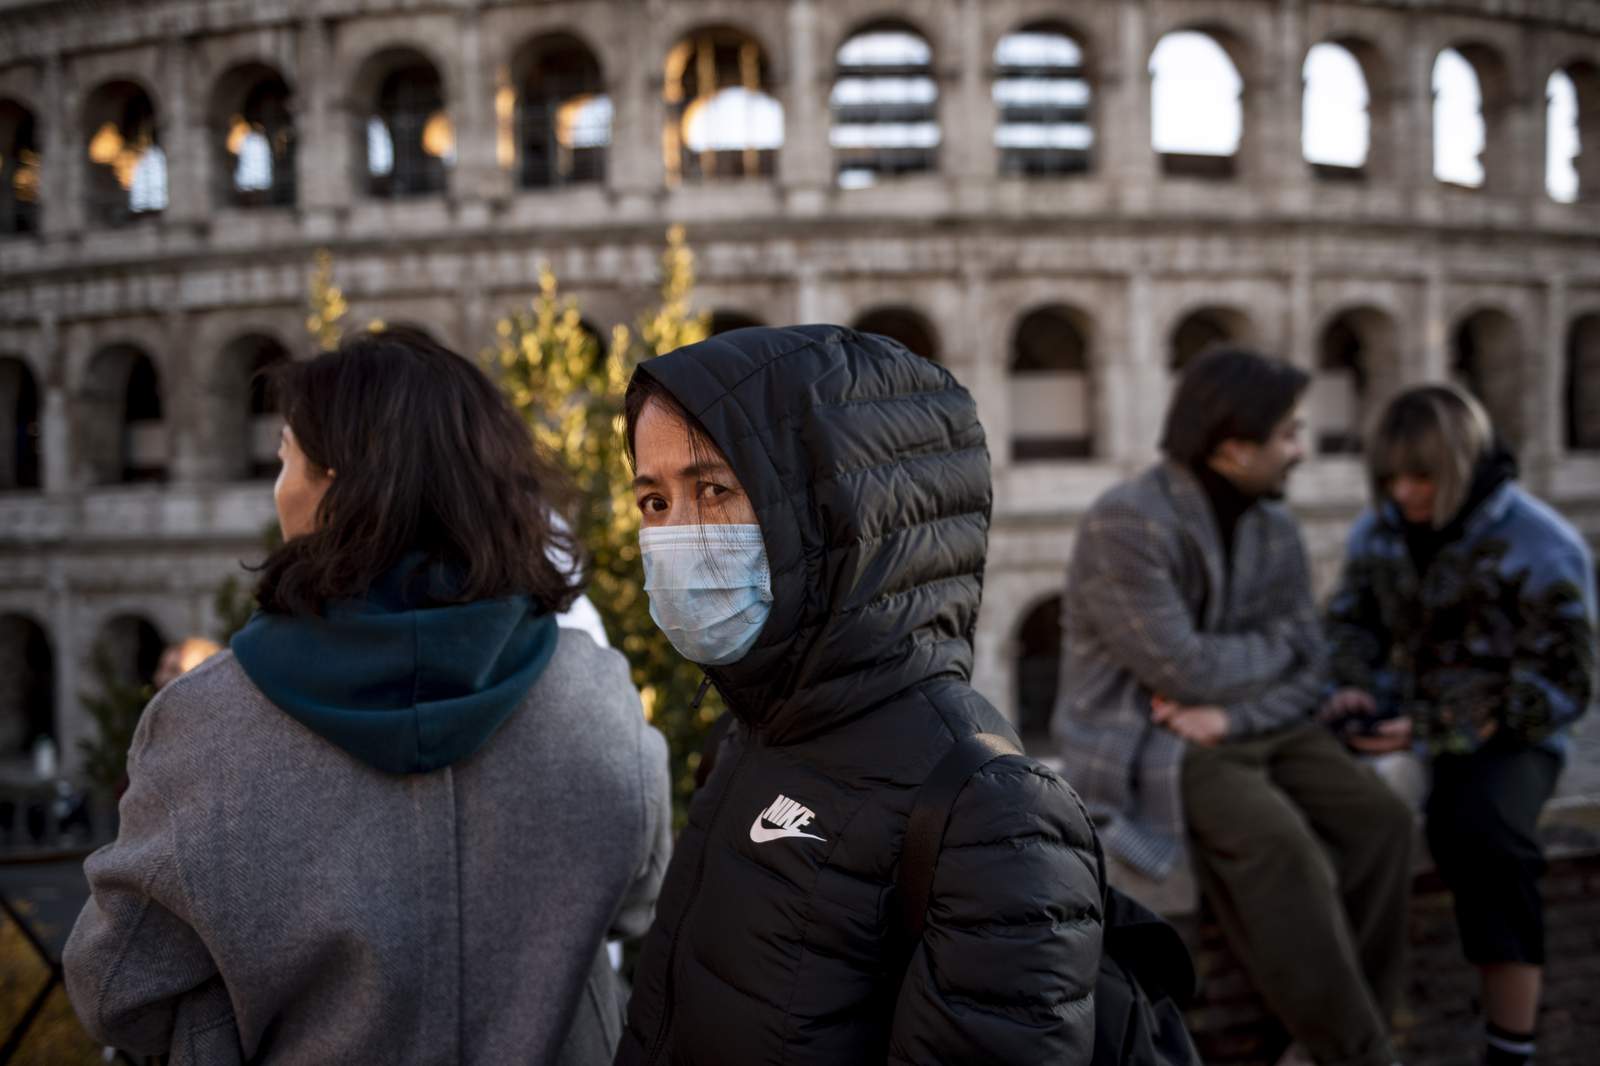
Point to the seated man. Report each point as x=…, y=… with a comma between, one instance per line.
x=1191, y=674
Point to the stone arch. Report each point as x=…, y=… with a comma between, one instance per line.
x=252, y=132
x=1200, y=75
x=242, y=413
x=1487, y=358
x=1572, y=132
x=1357, y=369
x=1205, y=327
x=1044, y=95
x=1036, y=664
x=405, y=137
x=21, y=152
x=724, y=117
x=884, y=104
x=28, y=680
x=1472, y=90
x=562, y=113
x=904, y=324
x=127, y=167
x=20, y=437
x=1583, y=383
x=1052, y=385
x=1345, y=130
x=128, y=648
x=121, y=430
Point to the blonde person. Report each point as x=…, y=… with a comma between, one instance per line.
x=397, y=821
x=1464, y=627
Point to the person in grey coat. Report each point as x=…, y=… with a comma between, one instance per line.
x=1192, y=669
x=398, y=820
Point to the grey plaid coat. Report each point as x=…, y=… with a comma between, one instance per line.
x=1148, y=610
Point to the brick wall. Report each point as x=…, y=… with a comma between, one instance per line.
x=1439, y=1023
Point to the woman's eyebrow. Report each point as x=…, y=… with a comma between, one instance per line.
x=692, y=472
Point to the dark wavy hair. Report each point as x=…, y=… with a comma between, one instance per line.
x=1228, y=393
x=429, y=457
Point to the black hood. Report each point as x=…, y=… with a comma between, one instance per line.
x=869, y=474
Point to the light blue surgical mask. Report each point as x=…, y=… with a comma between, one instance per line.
x=709, y=586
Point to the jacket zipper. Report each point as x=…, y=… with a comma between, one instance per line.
x=664, y=1026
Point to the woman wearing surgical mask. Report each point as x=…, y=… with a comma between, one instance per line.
x=815, y=510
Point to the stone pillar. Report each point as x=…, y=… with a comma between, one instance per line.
x=55, y=426
x=71, y=722
x=1415, y=104
x=804, y=163
x=1136, y=384
x=808, y=296
x=325, y=170
x=188, y=199
x=1122, y=128
x=476, y=177
x=184, y=394
x=1544, y=397
x=969, y=116
x=1435, y=365
x=1299, y=328
x=984, y=370
x=635, y=173
x=1278, y=83
x=61, y=185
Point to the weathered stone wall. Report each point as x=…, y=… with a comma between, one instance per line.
x=1131, y=252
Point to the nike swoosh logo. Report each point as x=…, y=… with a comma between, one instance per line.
x=761, y=833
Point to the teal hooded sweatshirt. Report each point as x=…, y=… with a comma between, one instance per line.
x=403, y=686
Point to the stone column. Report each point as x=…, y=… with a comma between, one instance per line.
x=188, y=199
x=969, y=116
x=1544, y=398
x=1435, y=365
x=1122, y=127
x=55, y=426
x=635, y=173
x=71, y=722
x=1278, y=156
x=477, y=175
x=61, y=184
x=1136, y=383
x=804, y=163
x=323, y=160
x=184, y=395
x=984, y=371
x=1415, y=103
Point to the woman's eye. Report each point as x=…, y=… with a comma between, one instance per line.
x=710, y=490
x=652, y=505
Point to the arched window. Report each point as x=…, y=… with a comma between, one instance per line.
x=129, y=649
x=1572, y=133
x=1487, y=360
x=1335, y=122
x=902, y=324
x=1583, y=384
x=726, y=321
x=19, y=426
x=562, y=114
x=1206, y=328
x=723, y=120
x=1471, y=101
x=1038, y=666
x=1042, y=93
x=127, y=166
x=252, y=131
x=19, y=170
x=244, y=413
x=120, y=427
x=407, y=140
x=1196, y=108
x=1052, y=402
x=27, y=687
x=885, y=105
x=1357, y=364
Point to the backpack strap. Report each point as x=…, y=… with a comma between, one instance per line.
x=930, y=814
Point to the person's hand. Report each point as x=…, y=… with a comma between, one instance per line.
x=1345, y=702
x=1198, y=725
x=1391, y=734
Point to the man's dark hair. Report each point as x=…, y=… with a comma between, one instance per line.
x=428, y=456
x=1228, y=394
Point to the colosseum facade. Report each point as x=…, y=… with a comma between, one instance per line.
x=979, y=181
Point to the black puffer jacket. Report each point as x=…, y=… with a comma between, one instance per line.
x=775, y=938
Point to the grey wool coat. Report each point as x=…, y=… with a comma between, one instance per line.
x=271, y=899
x=1150, y=609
